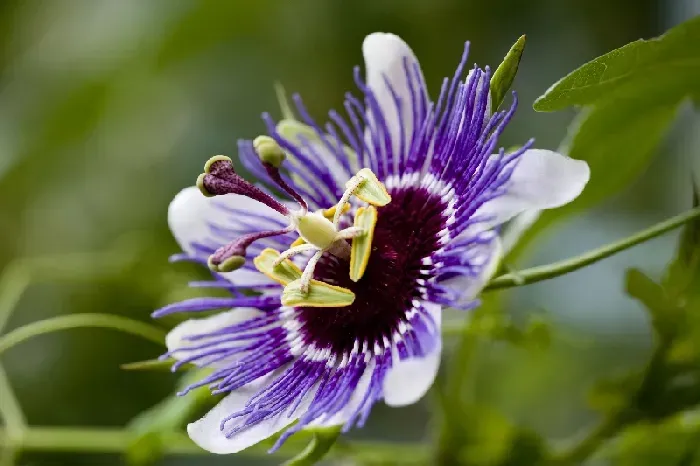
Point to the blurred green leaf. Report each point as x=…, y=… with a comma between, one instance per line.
x=322, y=441
x=667, y=443
x=535, y=335
x=617, y=138
x=485, y=437
x=682, y=282
x=664, y=313
x=666, y=61
x=631, y=96
x=150, y=428
x=610, y=395
x=683, y=275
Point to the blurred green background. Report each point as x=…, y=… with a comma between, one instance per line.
x=109, y=107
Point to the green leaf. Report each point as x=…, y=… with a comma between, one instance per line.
x=618, y=139
x=503, y=78
x=321, y=443
x=671, y=60
x=631, y=96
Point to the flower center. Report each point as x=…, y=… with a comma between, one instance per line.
x=406, y=233
x=317, y=233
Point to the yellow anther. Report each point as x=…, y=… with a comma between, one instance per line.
x=365, y=219
x=370, y=189
x=283, y=273
x=330, y=213
x=297, y=242
x=319, y=294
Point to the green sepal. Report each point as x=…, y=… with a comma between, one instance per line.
x=283, y=273
x=366, y=218
x=503, y=78
x=319, y=295
x=370, y=190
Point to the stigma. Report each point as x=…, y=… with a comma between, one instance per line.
x=319, y=232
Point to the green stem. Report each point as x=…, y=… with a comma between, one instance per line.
x=134, y=327
x=115, y=440
x=13, y=282
x=545, y=272
x=10, y=410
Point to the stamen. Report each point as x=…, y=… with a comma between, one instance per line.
x=365, y=186
x=292, y=252
x=272, y=155
x=232, y=255
x=309, y=272
x=220, y=178
x=352, y=232
x=350, y=188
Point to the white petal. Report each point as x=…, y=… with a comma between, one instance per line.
x=176, y=338
x=187, y=216
x=385, y=55
x=542, y=179
x=409, y=380
x=191, y=213
x=207, y=433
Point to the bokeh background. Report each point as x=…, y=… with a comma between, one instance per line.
x=109, y=107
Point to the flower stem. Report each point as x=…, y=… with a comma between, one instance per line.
x=115, y=440
x=141, y=329
x=546, y=272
